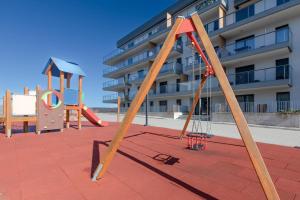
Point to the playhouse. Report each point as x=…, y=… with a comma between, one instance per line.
x=49, y=109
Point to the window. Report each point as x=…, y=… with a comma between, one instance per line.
x=282, y=69
x=197, y=77
x=130, y=61
x=279, y=2
x=163, y=106
x=283, y=101
x=177, y=85
x=282, y=34
x=244, y=75
x=244, y=13
x=178, y=102
x=246, y=102
x=163, y=87
x=151, y=106
x=141, y=73
x=131, y=44
x=244, y=44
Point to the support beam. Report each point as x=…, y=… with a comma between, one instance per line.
x=62, y=81
x=253, y=151
x=195, y=101
x=138, y=100
x=25, y=123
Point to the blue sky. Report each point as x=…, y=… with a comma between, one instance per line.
x=80, y=31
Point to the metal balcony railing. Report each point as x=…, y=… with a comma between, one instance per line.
x=112, y=97
x=138, y=77
x=241, y=14
x=257, y=42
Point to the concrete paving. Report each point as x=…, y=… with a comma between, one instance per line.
x=270, y=135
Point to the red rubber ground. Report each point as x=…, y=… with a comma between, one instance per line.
x=151, y=164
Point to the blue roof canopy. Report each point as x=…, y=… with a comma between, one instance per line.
x=57, y=65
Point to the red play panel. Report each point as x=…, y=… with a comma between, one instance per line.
x=151, y=164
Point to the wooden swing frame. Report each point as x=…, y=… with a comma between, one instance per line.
x=182, y=25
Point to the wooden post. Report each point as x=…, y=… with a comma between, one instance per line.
x=79, y=101
x=68, y=111
x=195, y=101
x=8, y=116
x=49, y=101
x=138, y=100
x=252, y=149
x=119, y=105
x=25, y=123
x=61, y=84
x=37, y=90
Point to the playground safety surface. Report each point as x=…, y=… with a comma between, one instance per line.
x=151, y=164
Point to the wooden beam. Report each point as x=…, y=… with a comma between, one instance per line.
x=68, y=111
x=37, y=91
x=49, y=101
x=252, y=149
x=195, y=101
x=8, y=114
x=25, y=123
x=62, y=81
x=138, y=100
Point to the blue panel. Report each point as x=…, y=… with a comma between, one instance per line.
x=71, y=97
x=59, y=65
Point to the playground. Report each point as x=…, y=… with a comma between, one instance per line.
x=62, y=158
x=151, y=164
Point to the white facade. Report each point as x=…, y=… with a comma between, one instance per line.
x=262, y=69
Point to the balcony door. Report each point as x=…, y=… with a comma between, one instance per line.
x=163, y=106
x=244, y=75
x=282, y=69
x=283, y=101
x=163, y=87
x=246, y=102
x=244, y=13
x=245, y=44
x=280, y=2
x=282, y=34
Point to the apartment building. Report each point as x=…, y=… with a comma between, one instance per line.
x=257, y=41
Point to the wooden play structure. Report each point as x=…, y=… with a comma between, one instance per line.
x=48, y=109
x=189, y=26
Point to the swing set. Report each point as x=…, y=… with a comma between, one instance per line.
x=188, y=26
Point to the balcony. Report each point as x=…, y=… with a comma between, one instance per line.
x=267, y=78
x=119, y=54
x=155, y=35
x=139, y=61
x=241, y=19
x=276, y=42
x=169, y=70
x=137, y=78
x=123, y=67
x=113, y=98
x=114, y=85
x=194, y=65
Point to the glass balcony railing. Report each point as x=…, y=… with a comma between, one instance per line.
x=131, y=62
x=112, y=97
x=160, y=28
x=242, y=14
x=138, y=77
x=266, y=75
x=257, y=42
x=175, y=68
x=157, y=30
x=114, y=83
